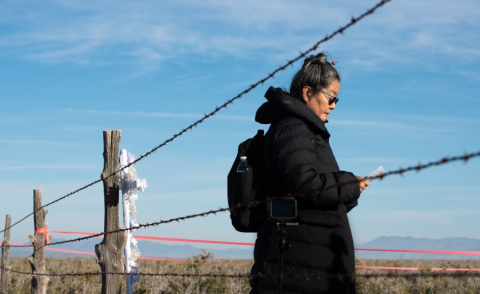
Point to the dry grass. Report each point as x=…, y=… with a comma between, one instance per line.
x=418, y=285
x=204, y=263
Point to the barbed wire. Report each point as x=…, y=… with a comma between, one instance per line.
x=306, y=276
x=218, y=108
x=4, y=245
x=126, y=274
x=61, y=198
x=466, y=157
x=177, y=219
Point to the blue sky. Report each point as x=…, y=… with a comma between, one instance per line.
x=71, y=69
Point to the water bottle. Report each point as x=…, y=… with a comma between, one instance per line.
x=243, y=165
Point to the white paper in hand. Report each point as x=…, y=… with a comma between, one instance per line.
x=376, y=173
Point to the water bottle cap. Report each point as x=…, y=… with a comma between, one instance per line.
x=243, y=158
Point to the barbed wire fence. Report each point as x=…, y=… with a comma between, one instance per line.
x=317, y=276
x=218, y=108
x=400, y=171
x=461, y=273
x=445, y=160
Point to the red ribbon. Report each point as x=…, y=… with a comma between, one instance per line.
x=43, y=230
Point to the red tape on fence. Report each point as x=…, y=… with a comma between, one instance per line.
x=252, y=244
x=219, y=262
x=44, y=231
x=57, y=249
x=165, y=239
x=422, y=251
x=91, y=253
x=417, y=268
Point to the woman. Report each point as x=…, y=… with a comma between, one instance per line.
x=299, y=161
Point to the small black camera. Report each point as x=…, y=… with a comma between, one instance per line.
x=282, y=209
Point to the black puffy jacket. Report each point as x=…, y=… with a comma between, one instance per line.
x=299, y=160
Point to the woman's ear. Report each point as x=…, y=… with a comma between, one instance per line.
x=306, y=93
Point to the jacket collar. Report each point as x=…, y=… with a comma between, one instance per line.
x=280, y=105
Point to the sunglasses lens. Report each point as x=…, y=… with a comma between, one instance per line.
x=330, y=98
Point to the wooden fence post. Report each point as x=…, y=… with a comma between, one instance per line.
x=5, y=254
x=109, y=252
x=37, y=260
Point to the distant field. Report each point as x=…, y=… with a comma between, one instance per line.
x=92, y=284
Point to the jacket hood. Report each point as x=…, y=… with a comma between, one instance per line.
x=281, y=105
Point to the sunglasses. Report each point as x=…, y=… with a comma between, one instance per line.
x=331, y=99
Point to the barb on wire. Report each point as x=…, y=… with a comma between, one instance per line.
x=466, y=157
x=308, y=277
x=230, y=101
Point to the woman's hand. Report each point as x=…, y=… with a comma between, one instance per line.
x=363, y=183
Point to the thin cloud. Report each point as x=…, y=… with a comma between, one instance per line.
x=156, y=31
x=427, y=37
x=48, y=166
x=423, y=217
x=155, y=114
x=418, y=125
x=68, y=54
x=44, y=142
x=375, y=159
x=208, y=195
x=371, y=124
x=52, y=144
x=454, y=190
x=234, y=117
x=441, y=119
x=61, y=32
x=133, y=113
x=11, y=141
x=80, y=128
x=14, y=119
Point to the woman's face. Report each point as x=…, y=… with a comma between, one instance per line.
x=318, y=101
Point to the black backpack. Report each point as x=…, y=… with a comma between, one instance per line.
x=247, y=187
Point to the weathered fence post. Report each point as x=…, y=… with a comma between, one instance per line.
x=109, y=252
x=37, y=260
x=5, y=254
